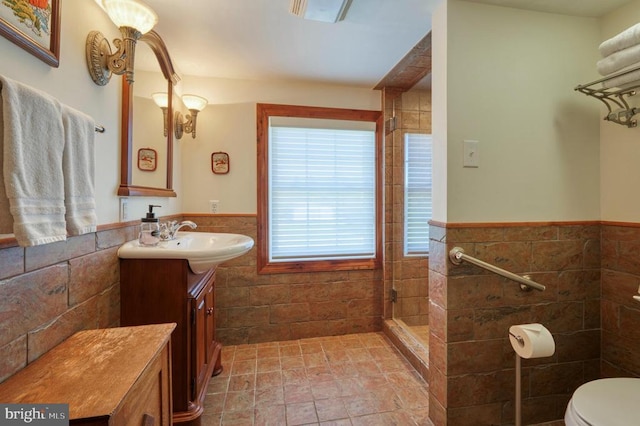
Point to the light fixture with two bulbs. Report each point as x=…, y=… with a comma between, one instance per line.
x=194, y=104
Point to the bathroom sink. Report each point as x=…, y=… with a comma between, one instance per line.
x=203, y=250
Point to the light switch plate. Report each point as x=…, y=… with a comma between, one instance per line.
x=471, y=152
x=124, y=209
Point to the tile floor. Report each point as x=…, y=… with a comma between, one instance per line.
x=356, y=379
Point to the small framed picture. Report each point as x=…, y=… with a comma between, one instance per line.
x=34, y=25
x=220, y=163
x=147, y=159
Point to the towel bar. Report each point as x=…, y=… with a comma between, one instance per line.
x=99, y=129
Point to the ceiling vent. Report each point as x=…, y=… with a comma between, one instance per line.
x=320, y=10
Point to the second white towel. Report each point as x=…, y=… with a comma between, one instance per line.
x=78, y=167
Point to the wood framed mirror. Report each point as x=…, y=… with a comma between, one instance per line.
x=129, y=155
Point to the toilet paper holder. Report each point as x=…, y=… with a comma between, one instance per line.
x=519, y=339
x=527, y=336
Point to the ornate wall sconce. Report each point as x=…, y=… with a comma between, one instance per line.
x=162, y=100
x=194, y=104
x=134, y=19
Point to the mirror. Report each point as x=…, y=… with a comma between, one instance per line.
x=148, y=172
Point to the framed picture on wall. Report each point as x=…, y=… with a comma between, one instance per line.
x=147, y=159
x=220, y=163
x=34, y=25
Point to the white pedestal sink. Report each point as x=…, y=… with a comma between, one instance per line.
x=203, y=250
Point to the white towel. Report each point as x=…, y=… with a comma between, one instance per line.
x=32, y=164
x=627, y=38
x=629, y=79
x=619, y=60
x=78, y=168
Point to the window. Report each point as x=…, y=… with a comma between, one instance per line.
x=319, y=189
x=417, y=193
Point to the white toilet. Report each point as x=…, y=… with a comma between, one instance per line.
x=605, y=402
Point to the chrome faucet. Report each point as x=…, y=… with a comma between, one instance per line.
x=168, y=230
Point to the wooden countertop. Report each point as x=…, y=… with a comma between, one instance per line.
x=81, y=370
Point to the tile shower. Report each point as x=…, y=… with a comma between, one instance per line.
x=406, y=319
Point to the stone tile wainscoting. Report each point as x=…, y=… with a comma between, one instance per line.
x=256, y=308
x=472, y=363
x=620, y=312
x=49, y=292
x=591, y=271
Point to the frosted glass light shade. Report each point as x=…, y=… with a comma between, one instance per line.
x=131, y=13
x=194, y=102
x=161, y=99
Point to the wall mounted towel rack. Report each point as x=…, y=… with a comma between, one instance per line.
x=98, y=128
x=457, y=255
x=615, y=98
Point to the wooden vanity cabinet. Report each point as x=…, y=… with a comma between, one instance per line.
x=165, y=290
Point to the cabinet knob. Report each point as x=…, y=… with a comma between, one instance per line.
x=209, y=311
x=148, y=420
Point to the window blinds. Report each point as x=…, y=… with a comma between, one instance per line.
x=321, y=193
x=417, y=193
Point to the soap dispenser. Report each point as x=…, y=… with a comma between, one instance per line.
x=149, y=229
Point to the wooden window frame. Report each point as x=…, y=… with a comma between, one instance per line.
x=264, y=111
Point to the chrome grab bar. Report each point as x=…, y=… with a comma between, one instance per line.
x=457, y=255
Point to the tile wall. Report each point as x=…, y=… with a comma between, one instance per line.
x=49, y=292
x=472, y=363
x=620, y=312
x=253, y=308
x=590, y=270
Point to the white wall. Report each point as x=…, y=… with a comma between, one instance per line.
x=439, y=35
x=71, y=84
x=228, y=124
x=619, y=145
x=510, y=79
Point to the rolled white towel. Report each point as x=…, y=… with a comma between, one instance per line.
x=626, y=80
x=619, y=60
x=625, y=39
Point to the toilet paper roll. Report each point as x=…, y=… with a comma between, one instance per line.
x=532, y=340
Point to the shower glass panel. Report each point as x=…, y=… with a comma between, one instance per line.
x=410, y=274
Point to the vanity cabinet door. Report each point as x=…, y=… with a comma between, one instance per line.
x=199, y=353
x=213, y=346
x=210, y=323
